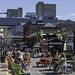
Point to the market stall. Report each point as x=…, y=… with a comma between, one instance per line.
x=53, y=45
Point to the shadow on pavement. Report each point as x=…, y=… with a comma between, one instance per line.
x=51, y=74
x=46, y=70
x=38, y=66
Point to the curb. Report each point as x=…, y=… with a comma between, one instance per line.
x=7, y=71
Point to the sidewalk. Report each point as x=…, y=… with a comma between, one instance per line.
x=3, y=68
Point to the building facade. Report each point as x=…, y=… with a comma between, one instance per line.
x=15, y=26
x=33, y=33
x=14, y=12
x=67, y=32
x=45, y=10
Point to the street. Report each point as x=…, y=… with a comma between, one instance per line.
x=40, y=70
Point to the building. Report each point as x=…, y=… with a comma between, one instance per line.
x=31, y=15
x=34, y=32
x=45, y=10
x=14, y=12
x=53, y=45
x=15, y=26
x=67, y=31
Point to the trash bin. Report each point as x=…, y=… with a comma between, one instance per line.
x=3, y=59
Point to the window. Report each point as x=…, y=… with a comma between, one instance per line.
x=63, y=29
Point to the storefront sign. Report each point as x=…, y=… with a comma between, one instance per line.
x=47, y=31
x=55, y=43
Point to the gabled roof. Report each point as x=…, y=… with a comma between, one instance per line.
x=49, y=25
x=15, y=21
x=30, y=36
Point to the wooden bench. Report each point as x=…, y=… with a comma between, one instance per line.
x=45, y=63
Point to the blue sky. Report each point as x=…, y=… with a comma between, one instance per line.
x=65, y=9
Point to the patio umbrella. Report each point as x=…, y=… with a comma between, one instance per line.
x=51, y=34
x=43, y=34
x=36, y=46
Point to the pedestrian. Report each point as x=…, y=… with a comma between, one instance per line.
x=25, y=56
x=55, y=64
x=23, y=65
x=62, y=63
x=19, y=55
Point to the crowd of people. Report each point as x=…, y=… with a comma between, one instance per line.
x=19, y=57
x=58, y=61
x=61, y=64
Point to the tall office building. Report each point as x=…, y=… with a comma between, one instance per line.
x=45, y=10
x=19, y=12
x=14, y=12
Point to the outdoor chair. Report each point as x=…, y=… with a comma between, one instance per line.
x=16, y=70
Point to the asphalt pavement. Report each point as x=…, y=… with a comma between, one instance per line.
x=41, y=70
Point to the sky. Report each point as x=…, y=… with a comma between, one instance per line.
x=65, y=9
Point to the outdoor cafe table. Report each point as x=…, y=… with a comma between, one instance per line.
x=46, y=59
x=67, y=61
x=43, y=59
x=70, y=62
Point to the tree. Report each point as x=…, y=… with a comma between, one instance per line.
x=7, y=35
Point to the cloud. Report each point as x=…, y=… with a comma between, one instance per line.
x=67, y=16
x=60, y=16
x=72, y=14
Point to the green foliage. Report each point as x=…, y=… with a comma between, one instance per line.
x=73, y=58
x=7, y=34
x=0, y=52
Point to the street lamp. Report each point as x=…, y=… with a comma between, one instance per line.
x=2, y=56
x=1, y=30
x=1, y=34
